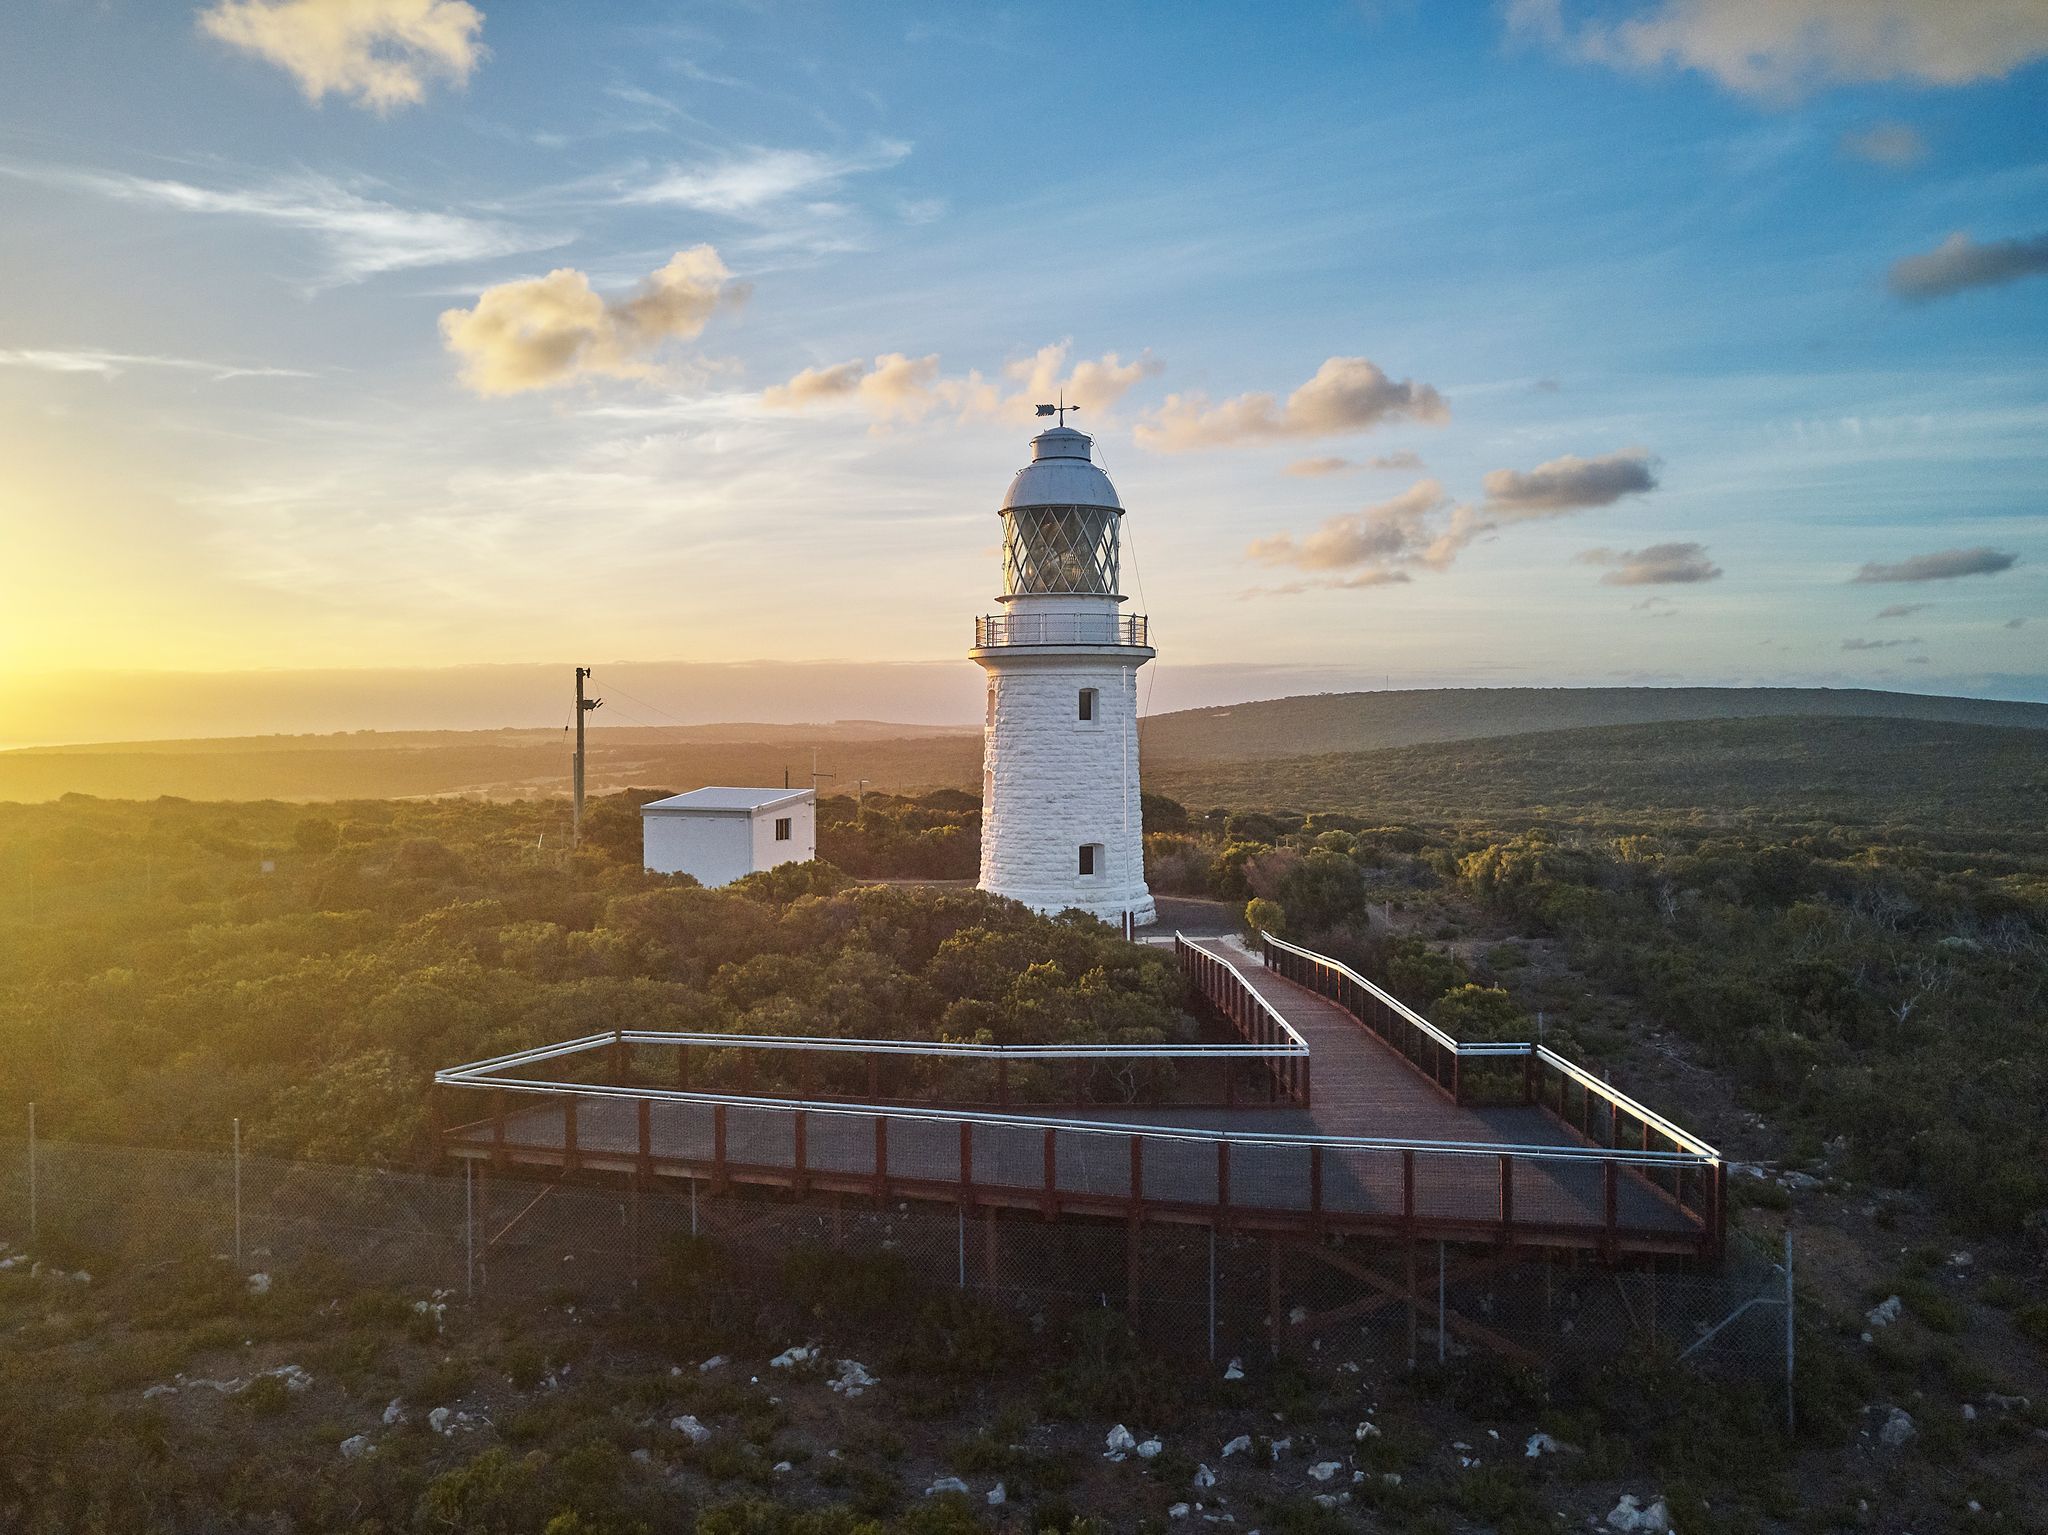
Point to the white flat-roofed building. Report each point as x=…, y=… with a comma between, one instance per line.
x=719, y=834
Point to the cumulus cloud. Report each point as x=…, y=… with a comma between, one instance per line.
x=1960, y=262
x=1897, y=146
x=1569, y=484
x=543, y=332
x=1942, y=565
x=381, y=53
x=1656, y=565
x=1094, y=384
x=1903, y=609
x=1401, y=460
x=1347, y=394
x=899, y=387
x=1379, y=544
x=1786, y=48
x=1316, y=468
x=1860, y=644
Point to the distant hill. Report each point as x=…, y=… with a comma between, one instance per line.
x=1854, y=772
x=494, y=764
x=1650, y=746
x=1354, y=722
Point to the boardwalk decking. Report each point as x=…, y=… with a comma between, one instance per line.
x=1203, y=1165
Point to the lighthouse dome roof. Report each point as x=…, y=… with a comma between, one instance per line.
x=1062, y=472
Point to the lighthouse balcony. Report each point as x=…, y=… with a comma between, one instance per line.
x=998, y=630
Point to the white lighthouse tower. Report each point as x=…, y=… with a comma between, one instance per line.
x=1060, y=819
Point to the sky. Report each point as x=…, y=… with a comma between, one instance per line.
x=1546, y=343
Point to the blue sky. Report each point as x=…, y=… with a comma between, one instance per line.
x=1613, y=292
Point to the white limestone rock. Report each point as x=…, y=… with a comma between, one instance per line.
x=688, y=1426
x=1883, y=1314
x=1323, y=1470
x=1241, y=1445
x=1632, y=1518
x=945, y=1484
x=354, y=1446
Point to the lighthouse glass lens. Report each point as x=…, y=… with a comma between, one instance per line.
x=1060, y=551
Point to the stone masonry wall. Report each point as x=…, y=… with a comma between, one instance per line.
x=1051, y=782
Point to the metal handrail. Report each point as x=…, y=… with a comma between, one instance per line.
x=1507, y=1049
x=1299, y=1046
x=1000, y=629
x=944, y=1049
x=455, y=1077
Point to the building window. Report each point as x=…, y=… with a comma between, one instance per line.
x=991, y=701
x=1087, y=706
x=782, y=828
x=1091, y=853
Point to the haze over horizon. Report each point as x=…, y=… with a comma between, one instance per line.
x=369, y=372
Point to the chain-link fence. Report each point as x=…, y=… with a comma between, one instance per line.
x=501, y=1239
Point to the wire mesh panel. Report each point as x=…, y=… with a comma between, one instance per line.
x=608, y=1235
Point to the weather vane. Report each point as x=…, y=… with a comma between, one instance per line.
x=1059, y=410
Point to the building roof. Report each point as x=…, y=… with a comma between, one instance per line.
x=724, y=799
x=1062, y=472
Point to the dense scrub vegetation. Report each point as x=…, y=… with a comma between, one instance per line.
x=168, y=966
x=1884, y=991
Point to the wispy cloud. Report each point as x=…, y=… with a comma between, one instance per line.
x=1862, y=644
x=362, y=236
x=1347, y=394
x=1960, y=262
x=1903, y=609
x=1786, y=48
x=1896, y=146
x=544, y=332
x=789, y=198
x=1942, y=565
x=1677, y=564
x=381, y=53
x=113, y=364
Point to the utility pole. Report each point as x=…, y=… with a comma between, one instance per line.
x=815, y=774
x=583, y=707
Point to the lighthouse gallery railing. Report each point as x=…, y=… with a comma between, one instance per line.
x=999, y=629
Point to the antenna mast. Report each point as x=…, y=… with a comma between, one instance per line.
x=583, y=707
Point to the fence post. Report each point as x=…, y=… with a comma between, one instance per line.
x=31, y=1173
x=468, y=1228
x=1440, y=1335
x=1791, y=1345
x=238, y=1195
x=1212, y=1294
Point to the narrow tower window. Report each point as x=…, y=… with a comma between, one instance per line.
x=1087, y=705
x=1089, y=850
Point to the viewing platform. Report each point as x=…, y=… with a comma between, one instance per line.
x=1398, y=1137
x=1001, y=630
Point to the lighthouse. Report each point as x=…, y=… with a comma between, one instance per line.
x=1061, y=823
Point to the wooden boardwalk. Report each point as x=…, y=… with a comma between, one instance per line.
x=1543, y=1186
